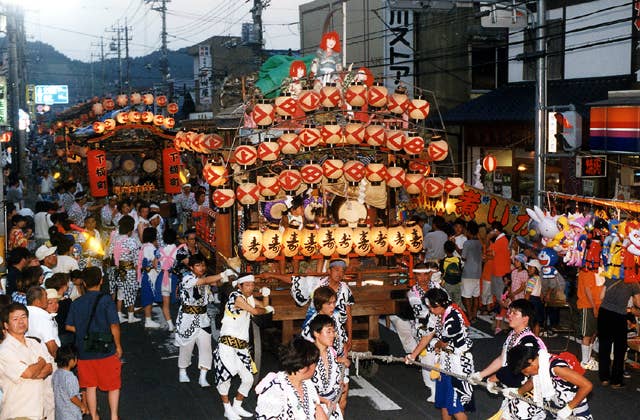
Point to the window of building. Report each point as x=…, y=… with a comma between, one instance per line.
x=555, y=51
x=489, y=66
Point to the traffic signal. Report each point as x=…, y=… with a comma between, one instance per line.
x=566, y=128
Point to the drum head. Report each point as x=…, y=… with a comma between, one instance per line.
x=150, y=166
x=352, y=211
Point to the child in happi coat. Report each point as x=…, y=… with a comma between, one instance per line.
x=148, y=273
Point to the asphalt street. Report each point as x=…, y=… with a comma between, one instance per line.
x=151, y=389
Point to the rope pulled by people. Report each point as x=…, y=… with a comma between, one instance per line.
x=490, y=386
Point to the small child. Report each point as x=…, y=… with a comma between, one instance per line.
x=69, y=403
x=500, y=320
x=533, y=292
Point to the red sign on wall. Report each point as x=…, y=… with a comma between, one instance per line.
x=171, y=170
x=97, y=166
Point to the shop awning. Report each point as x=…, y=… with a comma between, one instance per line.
x=515, y=102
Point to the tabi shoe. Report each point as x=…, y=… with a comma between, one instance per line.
x=122, y=318
x=237, y=407
x=592, y=364
x=132, y=319
x=229, y=413
x=150, y=323
x=183, y=377
x=202, y=381
x=170, y=326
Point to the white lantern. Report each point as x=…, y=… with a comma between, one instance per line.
x=433, y=187
x=454, y=186
x=378, y=238
x=251, y=243
x=289, y=143
x=268, y=151
x=413, y=237
x=332, y=169
x=395, y=177
x=438, y=150
x=376, y=173
x=344, y=238
x=414, y=183
x=269, y=186
x=291, y=240
x=327, y=239
x=396, y=239
x=248, y=193
x=223, y=197
x=309, y=241
x=361, y=239
x=395, y=139
x=271, y=241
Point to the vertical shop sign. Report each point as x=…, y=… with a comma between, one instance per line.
x=97, y=166
x=635, y=40
x=171, y=170
x=205, y=71
x=398, y=46
x=3, y=100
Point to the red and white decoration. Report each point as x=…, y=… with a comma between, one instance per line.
x=290, y=180
x=354, y=171
x=245, y=155
x=248, y=193
x=223, y=197
x=333, y=169
x=311, y=173
x=268, y=151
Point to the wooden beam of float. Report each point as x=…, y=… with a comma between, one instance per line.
x=154, y=130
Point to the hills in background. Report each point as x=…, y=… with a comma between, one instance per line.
x=47, y=66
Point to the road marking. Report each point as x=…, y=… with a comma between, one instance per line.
x=379, y=401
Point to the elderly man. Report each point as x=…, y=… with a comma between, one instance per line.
x=48, y=259
x=184, y=205
x=25, y=366
x=42, y=324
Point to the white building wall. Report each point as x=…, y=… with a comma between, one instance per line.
x=603, y=60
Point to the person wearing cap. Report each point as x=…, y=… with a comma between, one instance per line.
x=184, y=205
x=108, y=213
x=533, y=293
x=124, y=248
x=42, y=324
x=48, y=259
x=193, y=325
x=232, y=356
x=519, y=277
x=417, y=334
x=521, y=317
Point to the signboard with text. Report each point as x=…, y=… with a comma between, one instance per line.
x=591, y=166
x=3, y=101
x=398, y=46
x=52, y=94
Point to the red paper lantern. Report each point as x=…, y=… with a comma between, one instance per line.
x=395, y=139
x=171, y=170
x=147, y=99
x=161, y=101
x=377, y=95
x=172, y=108
x=211, y=142
x=97, y=167
x=433, y=187
x=136, y=98
x=194, y=142
x=311, y=173
x=420, y=167
x=268, y=151
x=375, y=135
x=354, y=133
x=215, y=175
x=395, y=177
x=331, y=133
x=223, y=197
x=310, y=136
x=332, y=169
x=309, y=100
x=169, y=123
x=248, y=193
x=330, y=96
x=418, y=109
x=398, y=103
x=354, y=171
x=438, y=150
x=122, y=117
x=268, y=186
x=263, y=114
x=158, y=120
x=109, y=124
x=98, y=127
x=108, y=104
x=134, y=117
x=285, y=105
x=290, y=180
x=414, y=145
x=376, y=173
x=454, y=186
x=489, y=163
x=356, y=95
x=414, y=183
x=245, y=155
x=147, y=117
x=97, y=108
x=289, y=143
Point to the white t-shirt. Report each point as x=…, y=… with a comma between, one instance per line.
x=42, y=222
x=42, y=325
x=66, y=264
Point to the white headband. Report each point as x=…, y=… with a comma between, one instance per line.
x=244, y=279
x=155, y=216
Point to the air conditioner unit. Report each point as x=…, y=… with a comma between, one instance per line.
x=503, y=15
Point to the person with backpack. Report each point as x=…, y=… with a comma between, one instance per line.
x=148, y=273
x=165, y=287
x=521, y=317
x=552, y=379
x=451, y=267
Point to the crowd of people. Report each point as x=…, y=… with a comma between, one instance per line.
x=77, y=271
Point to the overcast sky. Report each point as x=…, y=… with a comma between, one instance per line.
x=72, y=26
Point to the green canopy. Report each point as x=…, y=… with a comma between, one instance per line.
x=275, y=70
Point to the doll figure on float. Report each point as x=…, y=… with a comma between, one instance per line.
x=297, y=75
x=328, y=61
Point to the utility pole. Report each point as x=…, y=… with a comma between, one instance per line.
x=161, y=6
x=127, y=58
x=116, y=46
x=102, y=62
x=14, y=86
x=256, y=14
x=541, y=101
